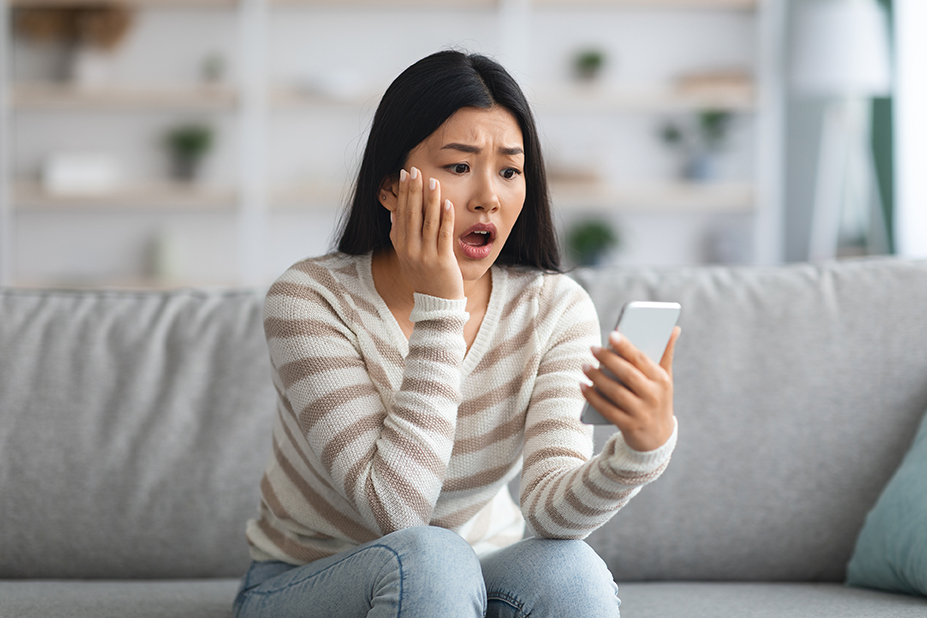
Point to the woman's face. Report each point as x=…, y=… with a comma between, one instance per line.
x=478, y=157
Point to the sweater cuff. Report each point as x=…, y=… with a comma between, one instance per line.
x=432, y=307
x=622, y=458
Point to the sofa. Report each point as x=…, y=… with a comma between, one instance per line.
x=134, y=428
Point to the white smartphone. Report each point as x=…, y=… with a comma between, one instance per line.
x=649, y=326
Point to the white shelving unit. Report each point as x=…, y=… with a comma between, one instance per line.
x=260, y=98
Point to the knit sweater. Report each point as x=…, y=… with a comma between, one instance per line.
x=375, y=432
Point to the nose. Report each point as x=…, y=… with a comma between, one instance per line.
x=485, y=198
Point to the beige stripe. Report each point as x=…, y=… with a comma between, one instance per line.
x=551, y=452
x=503, y=394
x=299, y=291
x=324, y=278
x=578, y=331
x=507, y=347
x=416, y=451
x=349, y=270
x=565, y=365
x=297, y=551
x=632, y=479
x=429, y=388
x=518, y=301
x=559, y=393
x=440, y=328
x=437, y=355
x=481, y=479
x=319, y=408
x=500, y=433
x=460, y=517
x=582, y=508
x=295, y=371
x=352, y=529
x=283, y=328
x=550, y=425
x=297, y=445
x=372, y=423
x=426, y=420
x=406, y=491
x=600, y=492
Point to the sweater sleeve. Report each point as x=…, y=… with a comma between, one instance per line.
x=386, y=458
x=566, y=493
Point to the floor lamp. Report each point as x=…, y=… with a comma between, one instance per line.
x=841, y=53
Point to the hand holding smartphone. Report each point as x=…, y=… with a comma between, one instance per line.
x=649, y=326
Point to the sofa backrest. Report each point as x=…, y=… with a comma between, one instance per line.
x=134, y=428
x=798, y=390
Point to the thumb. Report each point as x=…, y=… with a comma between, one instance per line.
x=667, y=361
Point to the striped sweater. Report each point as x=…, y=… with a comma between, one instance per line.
x=375, y=432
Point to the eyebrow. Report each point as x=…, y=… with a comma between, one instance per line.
x=476, y=150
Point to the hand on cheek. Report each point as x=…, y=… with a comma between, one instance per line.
x=423, y=236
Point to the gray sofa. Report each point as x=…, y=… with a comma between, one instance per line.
x=134, y=428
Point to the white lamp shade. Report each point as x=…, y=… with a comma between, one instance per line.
x=841, y=48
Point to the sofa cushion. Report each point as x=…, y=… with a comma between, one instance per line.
x=205, y=598
x=748, y=600
x=134, y=428
x=798, y=389
x=891, y=551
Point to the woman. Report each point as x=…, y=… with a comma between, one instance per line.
x=419, y=365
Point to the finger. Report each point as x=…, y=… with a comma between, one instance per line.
x=627, y=350
x=629, y=376
x=400, y=225
x=413, y=216
x=615, y=415
x=432, y=214
x=667, y=361
x=446, y=233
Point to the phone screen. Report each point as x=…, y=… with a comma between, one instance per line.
x=649, y=326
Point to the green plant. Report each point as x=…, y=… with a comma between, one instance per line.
x=588, y=63
x=589, y=240
x=191, y=141
x=188, y=144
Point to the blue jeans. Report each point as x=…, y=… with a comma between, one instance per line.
x=427, y=572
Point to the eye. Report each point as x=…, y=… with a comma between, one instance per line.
x=459, y=168
x=509, y=173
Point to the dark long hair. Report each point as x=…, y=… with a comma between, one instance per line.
x=419, y=101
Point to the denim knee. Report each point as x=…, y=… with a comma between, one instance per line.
x=549, y=578
x=438, y=563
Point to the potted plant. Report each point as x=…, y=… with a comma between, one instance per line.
x=188, y=144
x=699, y=143
x=588, y=64
x=589, y=241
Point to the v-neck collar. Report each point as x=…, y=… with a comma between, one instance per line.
x=484, y=336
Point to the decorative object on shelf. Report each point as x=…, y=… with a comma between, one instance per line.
x=588, y=64
x=79, y=174
x=90, y=33
x=213, y=68
x=699, y=141
x=841, y=53
x=590, y=241
x=188, y=144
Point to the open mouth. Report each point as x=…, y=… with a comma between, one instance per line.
x=476, y=243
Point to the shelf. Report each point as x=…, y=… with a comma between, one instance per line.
x=30, y=197
x=655, y=197
x=595, y=98
x=65, y=97
x=154, y=4
x=651, y=4
x=386, y=4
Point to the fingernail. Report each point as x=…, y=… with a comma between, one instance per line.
x=615, y=337
x=432, y=183
x=595, y=349
x=403, y=175
x=414, y=173
x=587, y=367
x=391, y=218
x=447, y=204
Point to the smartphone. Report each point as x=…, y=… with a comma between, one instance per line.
x=649, y=326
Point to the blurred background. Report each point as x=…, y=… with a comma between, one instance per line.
x=156, y=143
